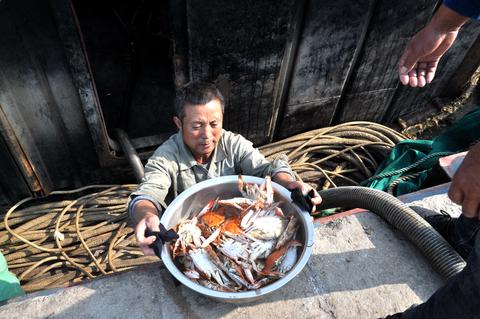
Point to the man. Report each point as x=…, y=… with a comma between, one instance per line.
x=199, y=151
x=460, y=296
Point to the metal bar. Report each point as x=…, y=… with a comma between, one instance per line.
x=130, y=154
x=31, y=177
x=284, y=79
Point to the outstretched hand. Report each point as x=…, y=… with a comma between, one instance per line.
x=465, y=187
x=419, y=61
x=418, y=64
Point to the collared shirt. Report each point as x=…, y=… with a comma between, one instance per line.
x=172, y=168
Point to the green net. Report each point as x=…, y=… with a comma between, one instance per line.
x=418, y=157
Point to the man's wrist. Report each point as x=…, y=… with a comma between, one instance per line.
x=143, y=209
x=447, y=20
x=283, y=178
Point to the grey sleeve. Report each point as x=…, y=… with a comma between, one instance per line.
x=157, y=180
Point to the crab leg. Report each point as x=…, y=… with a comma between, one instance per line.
x=288, y=233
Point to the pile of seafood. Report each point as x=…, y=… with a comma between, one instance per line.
x=238, y=244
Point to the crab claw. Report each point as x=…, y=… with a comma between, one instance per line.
x=267, y=188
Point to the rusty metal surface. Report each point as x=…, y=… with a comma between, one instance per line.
x=325, y=54
x=240, y=45
x=13, y=186
x=13, y=150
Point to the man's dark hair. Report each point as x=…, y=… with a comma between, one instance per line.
x=195, y=93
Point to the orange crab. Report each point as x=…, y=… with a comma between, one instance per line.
x=232, y=225
x=213, y=218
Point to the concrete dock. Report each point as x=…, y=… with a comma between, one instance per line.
x=360, y=268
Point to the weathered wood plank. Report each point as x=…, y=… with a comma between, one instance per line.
x=329, y=40
x=375, y=77
x=240, y=45
x=306, y=116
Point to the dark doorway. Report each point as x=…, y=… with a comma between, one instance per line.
x=128, y=45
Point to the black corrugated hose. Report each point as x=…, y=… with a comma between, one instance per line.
x=443, y=257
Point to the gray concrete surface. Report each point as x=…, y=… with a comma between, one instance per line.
x=360, y=268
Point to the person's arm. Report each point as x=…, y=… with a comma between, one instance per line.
x=465, y=187
x=419, y=61
x=147, y=201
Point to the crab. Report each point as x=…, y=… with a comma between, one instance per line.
x=188, y=233
x=262, y=195
x=289, y=232
x=267, y=227
x=234, y=249
x=288, y=260
x=239, y=243
x=275, y=259
x=206, y=263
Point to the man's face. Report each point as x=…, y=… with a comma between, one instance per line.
x=201, y=128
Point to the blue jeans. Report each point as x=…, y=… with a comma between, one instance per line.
x=460, y=297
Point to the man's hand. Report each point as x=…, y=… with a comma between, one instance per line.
x=152, y=222
x=305, y=188
x=465, y=188
x=419, y=61
x=146, y=215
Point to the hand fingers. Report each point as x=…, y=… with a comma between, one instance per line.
x=316, y=200
x=404, y=79
x=432, y=68
x=405, y=65
x=142, y=241
x=305, y=188
x=413, y=80
x=422, y=71
x=140, y=231
x=455, y=195
x=301, y=186
x=403, y=74
x=470, y=207
x=153, y=224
